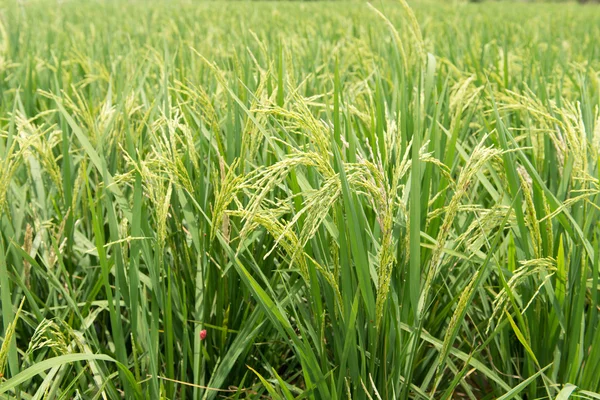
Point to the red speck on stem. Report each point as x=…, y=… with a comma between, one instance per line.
x=203, y=334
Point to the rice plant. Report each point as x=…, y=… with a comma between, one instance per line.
x=296, y=200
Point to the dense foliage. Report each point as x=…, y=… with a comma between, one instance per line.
x=299, y=200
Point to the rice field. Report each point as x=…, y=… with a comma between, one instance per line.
x=299, y=200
